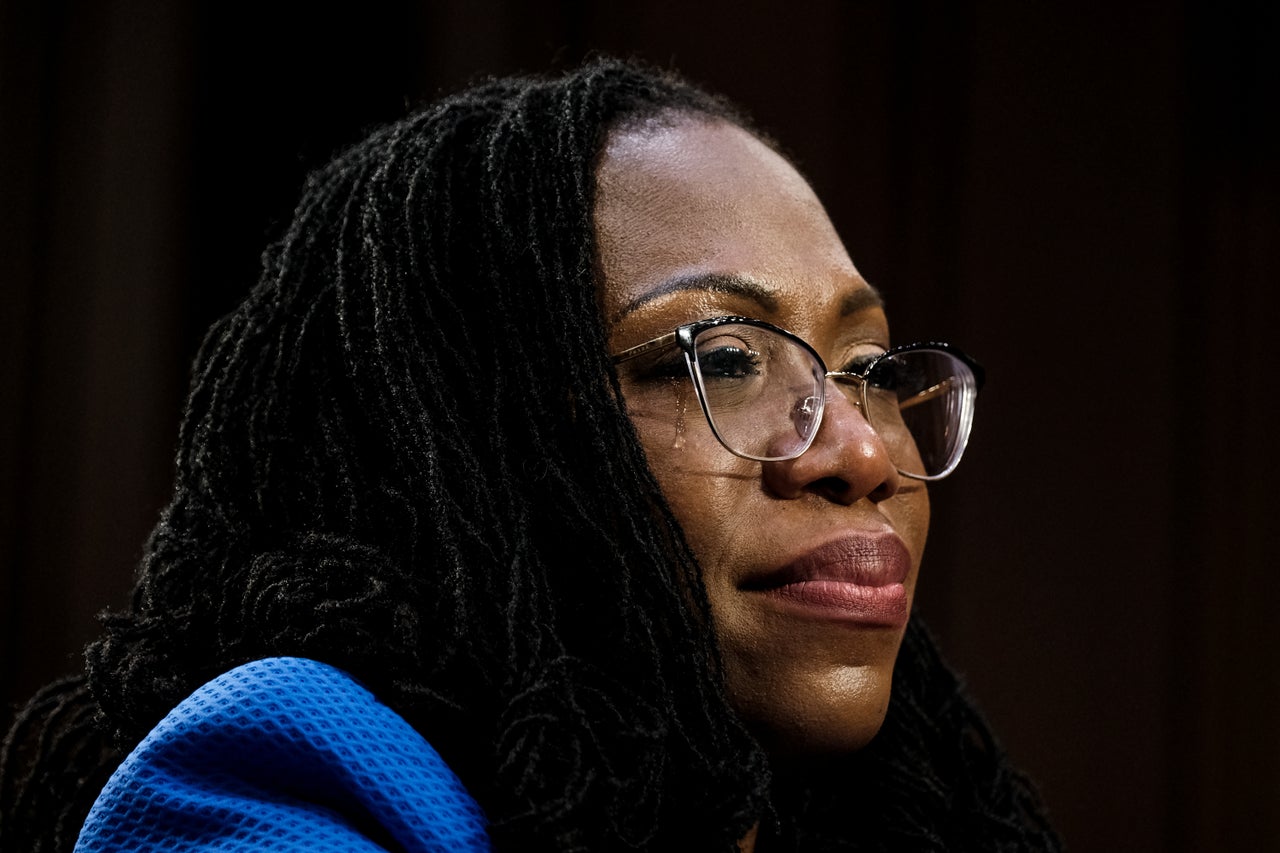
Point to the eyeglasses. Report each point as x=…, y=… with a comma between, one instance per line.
x=763, y=391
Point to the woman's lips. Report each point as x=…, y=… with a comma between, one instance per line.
x=858, y=578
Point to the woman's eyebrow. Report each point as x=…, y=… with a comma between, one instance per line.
x=860, y=300
x=716, y=282
x=740, y=285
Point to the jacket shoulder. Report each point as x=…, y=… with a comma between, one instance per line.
x=284, y=754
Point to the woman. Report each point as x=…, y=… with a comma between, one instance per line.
x=529, y=430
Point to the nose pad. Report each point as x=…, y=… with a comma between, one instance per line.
x=805, y=416
x=848, y=392
x=850, y=385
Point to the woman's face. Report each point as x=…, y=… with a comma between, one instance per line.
x=810, y=564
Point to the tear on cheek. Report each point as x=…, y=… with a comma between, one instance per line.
x=681, y=394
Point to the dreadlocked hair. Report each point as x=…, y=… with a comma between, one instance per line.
x=406, y=454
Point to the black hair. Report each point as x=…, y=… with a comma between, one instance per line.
x=405, y=454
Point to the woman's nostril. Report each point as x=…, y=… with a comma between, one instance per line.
x=836, y=488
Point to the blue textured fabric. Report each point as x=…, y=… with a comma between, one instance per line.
x=283, y=754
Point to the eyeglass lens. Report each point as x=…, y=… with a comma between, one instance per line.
x=764, y=394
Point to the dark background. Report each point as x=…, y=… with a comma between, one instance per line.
x=1085, y=196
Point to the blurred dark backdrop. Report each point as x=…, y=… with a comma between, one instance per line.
x=1085, y=196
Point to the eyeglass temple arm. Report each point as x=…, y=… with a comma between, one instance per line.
x=641, y=349
x=926, y=395
x=920, y=397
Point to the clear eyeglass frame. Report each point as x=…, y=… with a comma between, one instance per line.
x=960, y=387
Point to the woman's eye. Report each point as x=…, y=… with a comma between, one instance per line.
x=728, y=362
x=896, y=373
x=859, y=364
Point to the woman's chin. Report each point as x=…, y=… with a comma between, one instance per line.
x=838, y=715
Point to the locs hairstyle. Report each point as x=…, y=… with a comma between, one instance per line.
x=406, y=454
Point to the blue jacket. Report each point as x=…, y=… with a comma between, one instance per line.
x=283, y=754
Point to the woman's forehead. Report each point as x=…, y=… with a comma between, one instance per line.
x=697, y=166
x=705, y=199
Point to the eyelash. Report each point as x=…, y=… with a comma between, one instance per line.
x=728, y=357
x=859, y=363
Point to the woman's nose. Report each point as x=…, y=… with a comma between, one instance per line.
x=846, y=462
